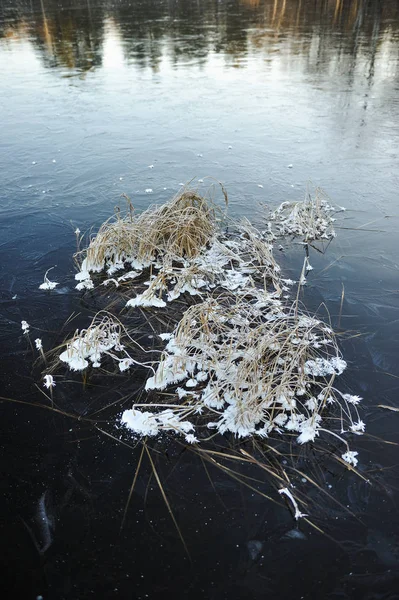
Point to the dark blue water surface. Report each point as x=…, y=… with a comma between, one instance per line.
x=270, y=93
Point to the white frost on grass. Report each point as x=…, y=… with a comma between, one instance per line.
x=302, y=280
x=75, y=355
x=150, y=424
x=309, y=428
x=143, y=423
x=234, y=280
x=125, y=364
x=209, y=269
x=286, y=492
x=321, y=367
x=350, y=457
x=305, y=321
x=180, y=243
x=191, y=383
x=238, y=419
x=88, y=346
x=168, y=373
x=47, y=284
x=114, y=267
x=358, y=427
x=311, y=218
x=245, y=365
x=352, y=399
x=85, y=269
x=84, y=278
x=122, y=278
x=86, y=284
x=25, y=327
x=48, y=381
x=166, y=336
x=129, y=275
x=146, y=300
x=187, y=281
x=108, y=281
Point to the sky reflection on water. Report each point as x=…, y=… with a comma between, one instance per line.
x=113, y=88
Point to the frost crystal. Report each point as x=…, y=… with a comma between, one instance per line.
x=146, y=301
x=143, y=423
x=47, y=284
x=86, y=284
x=147, y=423
x=308, y=429
x=358, y=427
x=38, y=344
x=84, y=276
x=298, y=514
x=320, y=367
x=350, y=457
x=48, y=381
x=25, y=327
x=352, y=399
x=125, y=363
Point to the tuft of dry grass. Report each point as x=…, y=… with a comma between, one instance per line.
x=240, y=360
x=181, y=247
x=311, y=218
x=175, y=231
x=105, y=337
x=248, y=365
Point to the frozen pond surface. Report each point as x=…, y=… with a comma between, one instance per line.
x=98, y=99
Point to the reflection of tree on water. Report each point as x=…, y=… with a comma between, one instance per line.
x=326, y=33
x=69, y=37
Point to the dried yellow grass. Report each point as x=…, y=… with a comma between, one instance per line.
x=177, y=230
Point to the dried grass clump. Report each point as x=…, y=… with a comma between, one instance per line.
x=185, y=251
x=257, y=253
x=249, y=364
x=181, y=228
x=103, y=338
x=236, y=262
x=241, y=361
x=251, y=367
x=177, y=231
x=310, y=218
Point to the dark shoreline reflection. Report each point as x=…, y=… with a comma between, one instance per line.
x=72, y=36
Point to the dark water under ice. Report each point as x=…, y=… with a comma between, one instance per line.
x=253, y=93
